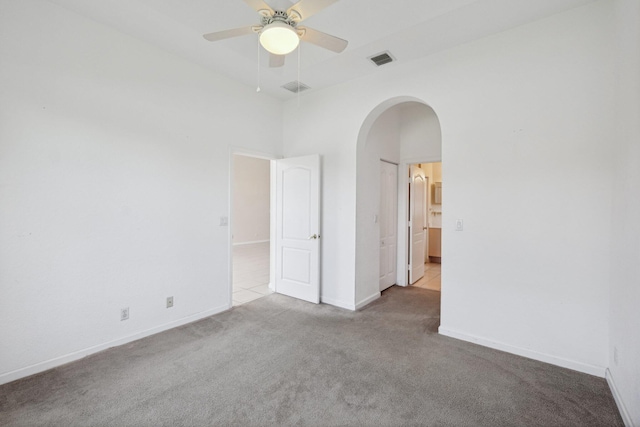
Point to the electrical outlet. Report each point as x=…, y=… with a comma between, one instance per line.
x=169, y=302
x=459, y=225
x=124, y=313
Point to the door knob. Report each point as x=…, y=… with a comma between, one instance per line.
x=315, y=236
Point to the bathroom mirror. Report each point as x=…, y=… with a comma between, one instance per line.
x=437, y=193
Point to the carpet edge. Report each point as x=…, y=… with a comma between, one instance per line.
x=36, y=368
x=598, y=371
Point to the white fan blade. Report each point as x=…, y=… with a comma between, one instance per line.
x=321, y=39
x=276, y=61
x=259, y=6
x=308, y=8
x=226, y=34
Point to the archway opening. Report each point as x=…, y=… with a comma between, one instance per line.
x=397, y=133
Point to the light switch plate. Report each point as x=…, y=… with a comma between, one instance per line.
x=459, y=225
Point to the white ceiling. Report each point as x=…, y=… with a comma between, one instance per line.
x=409, y=29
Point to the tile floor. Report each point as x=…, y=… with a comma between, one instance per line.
x=431, y=279
x=250, y=272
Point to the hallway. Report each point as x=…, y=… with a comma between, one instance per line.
x=250, y=272
x=431, y=278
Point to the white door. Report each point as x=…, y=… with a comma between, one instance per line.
x=427, y=212
x=417, y=224
x=298, y=228
x=388, y=223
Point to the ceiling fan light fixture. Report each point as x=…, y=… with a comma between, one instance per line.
x=279, y=38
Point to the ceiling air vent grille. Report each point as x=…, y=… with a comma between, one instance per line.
x=296, y=87
x=382, y=58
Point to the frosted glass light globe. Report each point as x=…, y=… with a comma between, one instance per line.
x=279, y=38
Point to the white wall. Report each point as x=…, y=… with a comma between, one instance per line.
x=420, y=133
x=537, y=121
x=114, y=164
x=251, y=199
x=382, y=142
x=526, y=119
x=625, y=255
x=325, y=136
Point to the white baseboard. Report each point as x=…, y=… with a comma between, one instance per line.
x=251, y=242
x=626, y=417
x=336, y=303
x=598, y=371
x=368, y=300
x=76, y=355
x=350, y=306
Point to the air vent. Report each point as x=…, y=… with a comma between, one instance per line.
x=382, y=58
x=296, y=87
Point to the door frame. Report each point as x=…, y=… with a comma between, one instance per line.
x=403, y=215
x=272, y=220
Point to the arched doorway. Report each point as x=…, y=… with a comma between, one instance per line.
x=400, y=131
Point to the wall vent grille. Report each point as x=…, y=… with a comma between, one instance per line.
x=296, y=86
x=382, y=58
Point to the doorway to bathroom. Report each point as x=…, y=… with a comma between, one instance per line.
x=425, y=225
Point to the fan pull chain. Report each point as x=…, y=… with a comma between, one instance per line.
x=258, y=88
x=298, y=91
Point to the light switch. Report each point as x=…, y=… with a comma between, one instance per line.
x=224, y=221
x=375, y=218
x=459, y=225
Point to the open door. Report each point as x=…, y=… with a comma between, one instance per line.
x=297, y=237
x=417, y=224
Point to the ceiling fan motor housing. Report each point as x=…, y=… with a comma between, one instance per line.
x=280, y=16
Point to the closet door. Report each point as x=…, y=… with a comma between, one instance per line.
x=388, y=223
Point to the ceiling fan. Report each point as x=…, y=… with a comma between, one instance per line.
x=279, y=31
